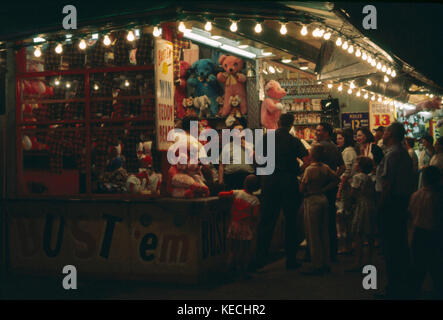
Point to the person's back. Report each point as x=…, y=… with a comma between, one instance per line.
x=425, y=205
x=317, y=176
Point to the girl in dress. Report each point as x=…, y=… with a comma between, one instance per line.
x=345, y=143
x=363, y=223
x=244, y=218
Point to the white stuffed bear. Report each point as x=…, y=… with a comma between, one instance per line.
x=202, y=103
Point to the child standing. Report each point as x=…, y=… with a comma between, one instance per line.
x=363, y=223
x=244, y=218
x=426, y=209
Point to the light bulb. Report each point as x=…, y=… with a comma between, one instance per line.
x=233, y=26
x=330, y=85
x=258, y=28
x=379, y=99
x=352, y=85
x=379, y=66
x=68, y=85
x=358, y=93
x=315, y=33
x=350, y=91
x=126, y=83
x=106, y=40
x=59, y=48
x=351, y=49
x=208, y=26
x=393, y=74
x=383, y=69
x=373, y=63
x=366, y=96
x=327, y=36
x=283, y=29
x=181, y=27
x=96, y=87
x=388, y=72
x=156, y=32
x=364, y=56
x=271, y=69
x=431, y=96
x=373, y=98
x=304, y=31
x=338, y=42
x=340, y=88
x=37, y=52
x=82, y=44
x=345, y=45
x=386, y=79
x=321, y=32
x=285, y=60
x=369, y=59
x=56, y=82
x=130, y=36
x=358, y=53
x=369, y=82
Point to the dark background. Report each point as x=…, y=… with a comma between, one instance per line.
x=412, y=31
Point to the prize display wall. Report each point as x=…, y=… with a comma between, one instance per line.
x=86, y=118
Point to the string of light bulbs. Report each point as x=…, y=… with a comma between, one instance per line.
x=83, y=44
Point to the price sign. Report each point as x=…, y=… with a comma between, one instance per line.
x=355, y=120
x=381, y=114
x=164, y=87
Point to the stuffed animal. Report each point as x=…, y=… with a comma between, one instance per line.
x=202, y=104
x=271, y=107
x=134, y=184
x=235, y=110
x=188, y=105
x=234, y=82
x=180, y=90
x=181, y=184
x=205, y=82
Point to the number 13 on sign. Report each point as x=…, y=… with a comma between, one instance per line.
x=382, y=120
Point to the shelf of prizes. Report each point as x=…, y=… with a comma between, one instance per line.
x=93, y=184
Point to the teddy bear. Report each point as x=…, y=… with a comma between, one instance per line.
x=271, y=107
x=188, y=105
x=234, y=82
x=202, y=104
x=205, y=82
x=180, y=90
x=181, y=184
x=235, y=110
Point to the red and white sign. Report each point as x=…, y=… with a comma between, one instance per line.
x=164, y=88
x=380, y=114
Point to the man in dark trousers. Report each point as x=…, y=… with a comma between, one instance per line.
x=281, y=191
x=394, y=174
x=333, y=158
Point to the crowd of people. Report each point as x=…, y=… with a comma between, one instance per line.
x=362, y=189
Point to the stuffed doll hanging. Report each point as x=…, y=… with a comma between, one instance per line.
x=234, y=82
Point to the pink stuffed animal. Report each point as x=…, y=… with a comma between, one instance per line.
x=271, y=107
x=234, y=83
x=182, y=182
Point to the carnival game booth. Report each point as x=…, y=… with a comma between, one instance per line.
x=89, y=111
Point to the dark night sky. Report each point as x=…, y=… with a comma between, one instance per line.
x=412, y=31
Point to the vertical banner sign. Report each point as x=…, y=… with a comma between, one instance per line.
x=355, y=120
x=381, y=114
x=164, y=90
